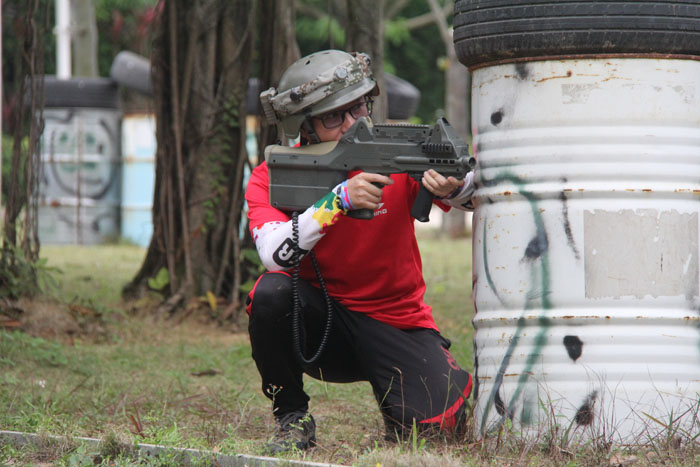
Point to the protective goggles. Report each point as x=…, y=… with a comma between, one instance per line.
x=335, y=118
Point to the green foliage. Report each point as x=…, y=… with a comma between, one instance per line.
x=414, y=56
x=416, y=444
x=17, y=348
x=312, y=32
x=81, y=457
x=411, y=54
x=123, y=25
x=7, y=150
x=22, y=277
x=13, y=15
x=252, y=262
x=396, y=32
x=160, y=281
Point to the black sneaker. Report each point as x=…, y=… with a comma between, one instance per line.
x=296, y=430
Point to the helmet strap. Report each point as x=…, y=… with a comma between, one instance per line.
x=308, y=127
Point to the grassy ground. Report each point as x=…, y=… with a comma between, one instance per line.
x=193, y=384
x=190, y=384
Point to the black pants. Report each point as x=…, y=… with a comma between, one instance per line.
x=412, y=373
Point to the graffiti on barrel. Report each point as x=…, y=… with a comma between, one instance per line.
x=80, y=176
x=536, y=254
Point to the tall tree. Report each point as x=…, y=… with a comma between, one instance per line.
x=365, y=33
x=84, y=38
x=20, y=241
x=457, y=110
x=277, y=50
x=201, y=64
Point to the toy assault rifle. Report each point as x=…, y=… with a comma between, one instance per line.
x=301, y=176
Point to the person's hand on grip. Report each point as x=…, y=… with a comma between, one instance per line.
x=364, y=192
x=440, y=186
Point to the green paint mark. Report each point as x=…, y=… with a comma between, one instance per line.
x=489, y=279
x=543, y=292
x=326, y=202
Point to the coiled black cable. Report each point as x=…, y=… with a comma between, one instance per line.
x=296, y=328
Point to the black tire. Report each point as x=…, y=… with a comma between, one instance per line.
x=97, y=93
x=132, y=71
x=402, y=97
x=502, y=30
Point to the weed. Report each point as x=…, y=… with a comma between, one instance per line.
x=17, y=347
x=22, y=277
x=415, y=444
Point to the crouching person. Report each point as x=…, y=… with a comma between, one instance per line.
x=369, y=274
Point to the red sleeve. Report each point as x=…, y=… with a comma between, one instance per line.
x=258, y=197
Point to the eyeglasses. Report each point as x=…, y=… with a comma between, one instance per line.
x=336, y=118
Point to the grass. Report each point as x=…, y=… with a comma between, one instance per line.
x=93, y=274
x=141, y=383
x=195, y=385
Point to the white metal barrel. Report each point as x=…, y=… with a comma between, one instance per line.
x=80, y=176
x=585, y=239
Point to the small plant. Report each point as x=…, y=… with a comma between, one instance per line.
x=416, y=444
x=22, y=277
x=80, y=457
x=160, y=281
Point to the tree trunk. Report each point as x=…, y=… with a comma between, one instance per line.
x=201, y=64
x=84, y=38
x=20, y=238
x=278, y=49
x=455, y=223
x=456, y=109
x=365, y=33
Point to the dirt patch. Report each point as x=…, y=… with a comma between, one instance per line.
x=49, y=319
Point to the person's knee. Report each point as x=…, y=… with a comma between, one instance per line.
x=271, y=298
x=439, y=407
x=401, y=423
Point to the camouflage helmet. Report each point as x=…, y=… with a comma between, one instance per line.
x=316, y=84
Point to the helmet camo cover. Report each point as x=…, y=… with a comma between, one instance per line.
x=309, y=91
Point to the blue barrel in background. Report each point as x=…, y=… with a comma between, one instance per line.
x=138, y=177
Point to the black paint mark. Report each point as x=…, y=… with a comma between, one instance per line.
x=567, y=224
x=584, y=415
x=497, y=117
x=500, y=405
x=521, y=69
x=537, y=246
x=574, y=346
